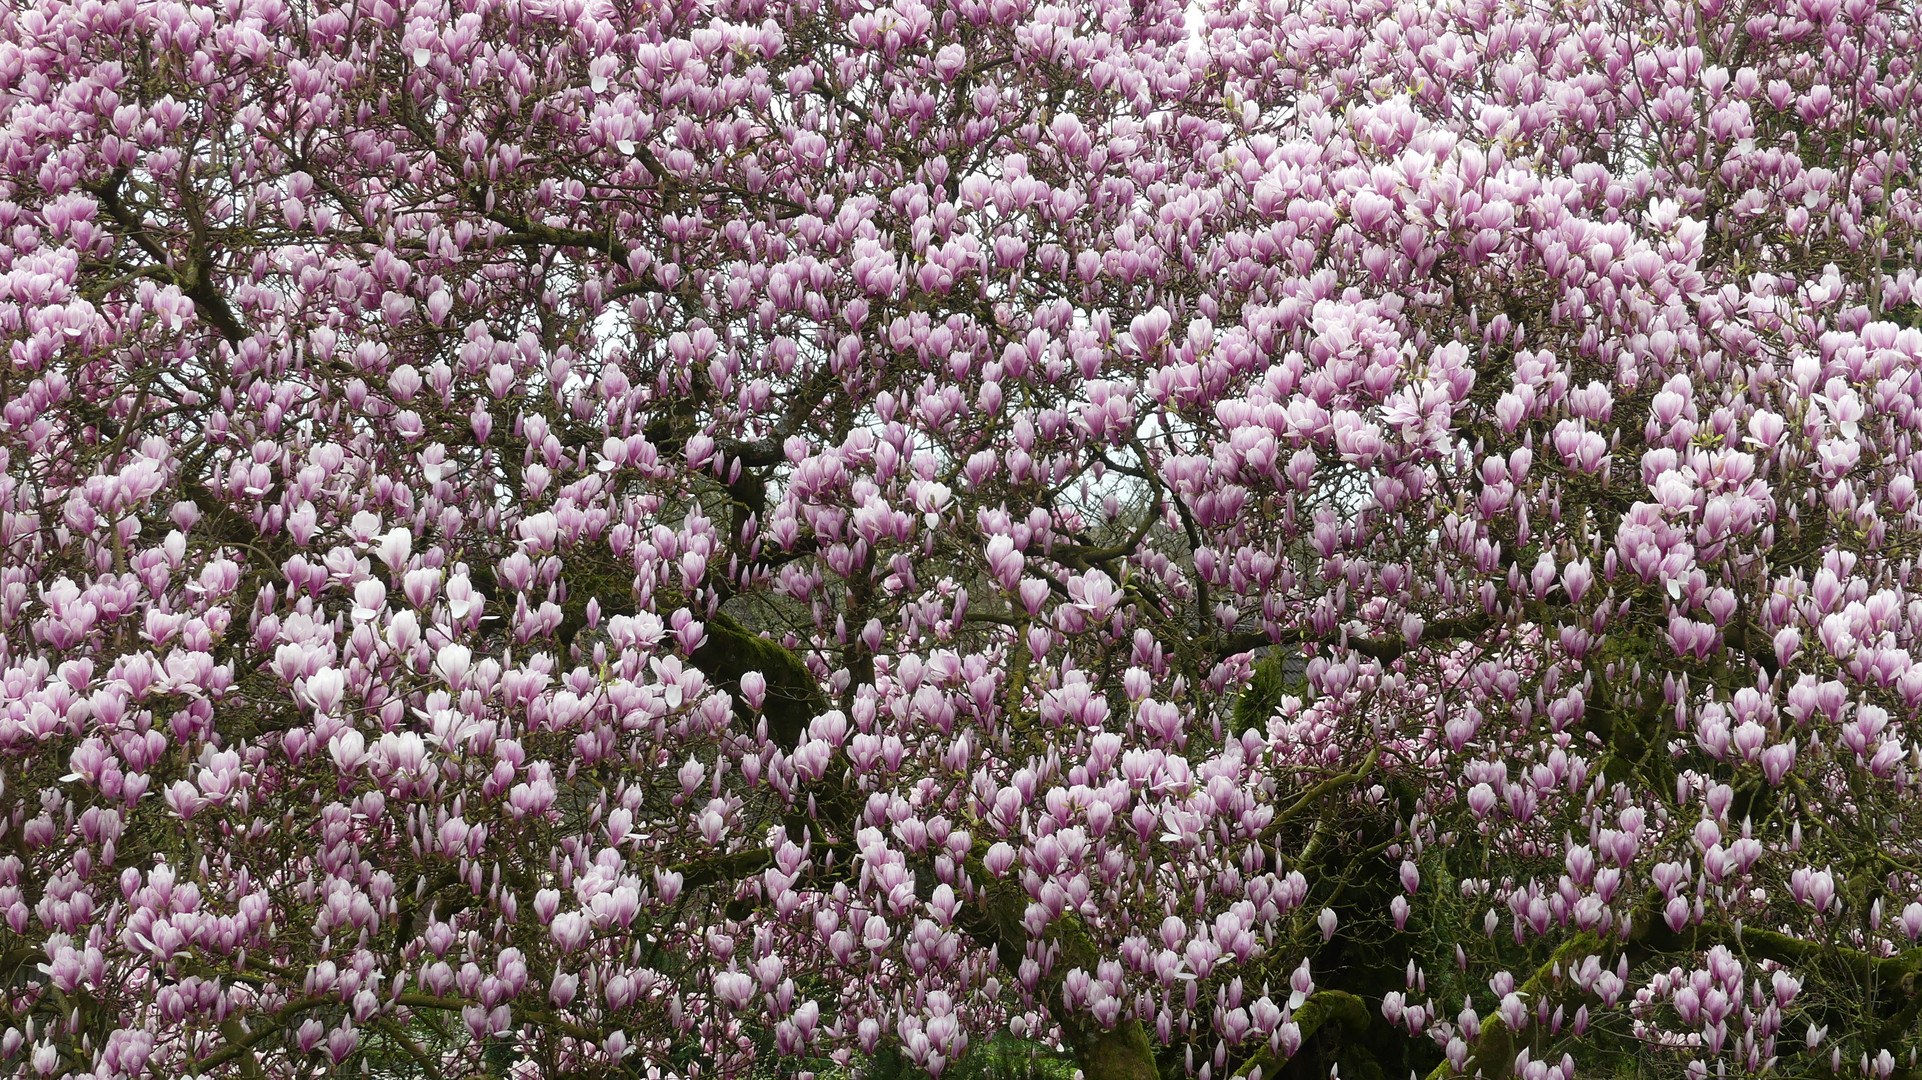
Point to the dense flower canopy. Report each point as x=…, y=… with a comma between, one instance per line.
x=591, y=538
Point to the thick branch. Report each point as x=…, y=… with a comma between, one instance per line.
x=793, y=694
x=1382, y=649
x=195, y=282
x=1311, y=799
x=1323, y=1008
x=245, y=1041
x=1494, y=1050
x=731, y=867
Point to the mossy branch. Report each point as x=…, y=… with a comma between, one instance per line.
x=1335, y=1010
x=1494, y=1050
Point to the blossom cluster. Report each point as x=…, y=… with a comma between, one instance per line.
x=572, y=538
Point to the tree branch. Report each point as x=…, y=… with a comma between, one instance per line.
x=1385, y=650
x=1494, y=1050
x=1323, y=1008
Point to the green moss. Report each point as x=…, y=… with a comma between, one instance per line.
x=1002, y=1058
x=793, y=695
x=1273, y=677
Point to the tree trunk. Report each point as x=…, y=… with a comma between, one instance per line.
x=1121, y=1054
x=1333, y=1026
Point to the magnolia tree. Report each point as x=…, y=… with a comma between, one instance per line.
x=716, y=537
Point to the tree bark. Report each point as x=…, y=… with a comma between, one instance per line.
x=793, y=695
x=1494, y=1051
x=1122, y=1053
x=1326, y=1011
